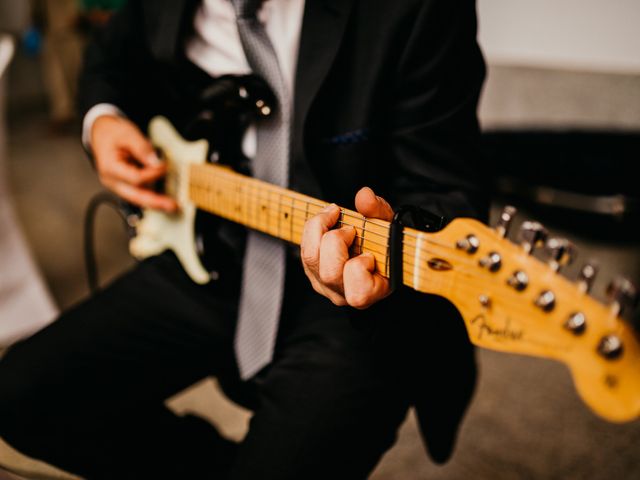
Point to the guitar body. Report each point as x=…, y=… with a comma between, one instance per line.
x=158, y=231
x=203, y=243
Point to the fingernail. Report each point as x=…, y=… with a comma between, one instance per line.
x=328, y=208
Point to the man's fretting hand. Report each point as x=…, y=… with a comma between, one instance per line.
x=325, y=255
x=127, y=163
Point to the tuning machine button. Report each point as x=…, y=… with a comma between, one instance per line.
x=531, y=235
x=504, y=222
x=576, y=323
x=587, y=276
x=470, y=244
x=491, y=262
x=623, y=294
x=519, y=280
x=560, y=252
x=546, y=301
x=610, y=347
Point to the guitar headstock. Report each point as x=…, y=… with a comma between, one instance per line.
x=513, y=300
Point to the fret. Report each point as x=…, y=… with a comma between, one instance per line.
x=417, y=260
x=256, y=208
x=262, y=209
x=293, y=201
x=244, y=201
x=237, y=204
x=273, y=219
x=300, y=214
x=280, y=215
x=364, y=231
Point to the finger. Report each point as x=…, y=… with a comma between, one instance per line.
x=314, y=230
x=141, y=148
x=372, y=206
x=123, y=171
x=334, y=252
x=362, y=285
x=142, y=197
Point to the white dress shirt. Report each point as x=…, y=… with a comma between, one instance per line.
x=215, y=47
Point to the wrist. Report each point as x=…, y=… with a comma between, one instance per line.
x=96, y=112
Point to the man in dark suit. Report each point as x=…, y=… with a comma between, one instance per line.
x=385, y=96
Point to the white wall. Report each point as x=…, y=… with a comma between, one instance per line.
x=573, y=34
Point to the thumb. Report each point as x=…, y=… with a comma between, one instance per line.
x=141, y=148
x=372, y=206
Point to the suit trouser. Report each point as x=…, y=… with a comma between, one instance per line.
x=87, y=393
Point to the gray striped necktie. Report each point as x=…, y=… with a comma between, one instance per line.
x=264, y=262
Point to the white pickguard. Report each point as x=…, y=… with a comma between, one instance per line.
x=158, y=231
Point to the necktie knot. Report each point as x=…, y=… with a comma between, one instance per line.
x=246, y=8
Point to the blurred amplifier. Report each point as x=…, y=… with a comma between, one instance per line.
x=592, y=172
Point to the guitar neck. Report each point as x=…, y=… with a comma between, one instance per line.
x=282, y=213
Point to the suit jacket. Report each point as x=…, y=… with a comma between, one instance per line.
x=386, y=96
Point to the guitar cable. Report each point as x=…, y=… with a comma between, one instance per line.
x=129, y=215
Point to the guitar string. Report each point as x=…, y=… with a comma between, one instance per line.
x=238, y=180
x=343, y=212
x=292, y=207
x=385, y=257
x=260, y=188
x=295, y=221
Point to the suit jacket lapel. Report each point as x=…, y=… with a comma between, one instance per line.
x=322, y=30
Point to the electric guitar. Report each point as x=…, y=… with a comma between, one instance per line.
x=510, y=300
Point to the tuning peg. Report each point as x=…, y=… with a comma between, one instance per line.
x=504, y=222
x=531, y=235
x=587, y=276
x=560, y=252
x=622, y=293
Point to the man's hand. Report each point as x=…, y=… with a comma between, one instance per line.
x=325, y=255
x=127, y=163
